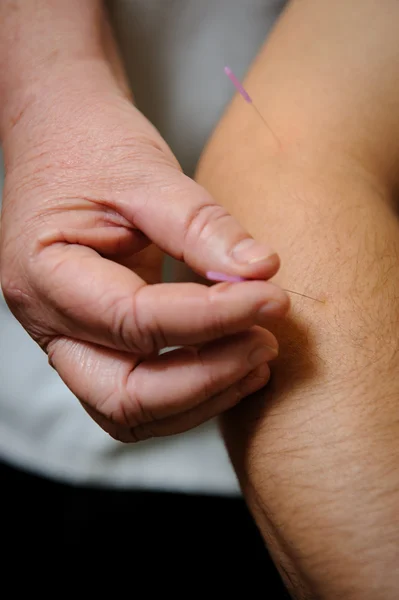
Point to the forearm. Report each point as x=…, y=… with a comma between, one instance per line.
x=48, y=47
x=317, y=452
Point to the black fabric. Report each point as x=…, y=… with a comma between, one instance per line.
x=174, y=543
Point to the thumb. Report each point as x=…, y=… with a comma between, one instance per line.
x=181, y=217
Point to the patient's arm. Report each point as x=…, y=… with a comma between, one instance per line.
x=317, y=452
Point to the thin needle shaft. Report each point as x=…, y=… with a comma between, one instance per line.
x=243, y=92
x=256, y=109
x=215, y=276
x=305, y=296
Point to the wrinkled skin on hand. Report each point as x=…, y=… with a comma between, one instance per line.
x=93, y=198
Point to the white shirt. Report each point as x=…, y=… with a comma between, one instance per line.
x=174, y=51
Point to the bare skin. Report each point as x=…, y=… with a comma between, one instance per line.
x=317, y=451
x=93, y=197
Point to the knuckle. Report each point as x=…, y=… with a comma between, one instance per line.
x=118, y=321
x=139, y=412
x=119, y=434
x=123, y=320
x=216, y=321
x=11, y=287
x=141, y=433
x=208, y=378
x=16, y=291
x=148, y=333
x=24, y=305
x=202, y=223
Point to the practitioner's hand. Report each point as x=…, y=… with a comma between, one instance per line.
x=93, y=195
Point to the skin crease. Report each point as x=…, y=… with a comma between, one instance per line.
x=317, y=451
x=93, y=197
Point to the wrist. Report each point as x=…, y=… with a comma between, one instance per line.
x=38, y=69
x=54, y=105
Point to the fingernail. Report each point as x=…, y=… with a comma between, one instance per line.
x=250, y=252
x=216, y=276
x=262, y=355
x=273, y=308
